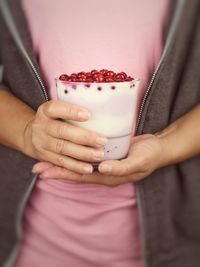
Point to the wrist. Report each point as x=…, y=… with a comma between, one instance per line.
x=169, y=149
x=27, y=147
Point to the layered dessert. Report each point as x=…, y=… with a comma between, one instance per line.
x=112, y=100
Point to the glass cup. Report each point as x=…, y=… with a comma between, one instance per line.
x=113, y=106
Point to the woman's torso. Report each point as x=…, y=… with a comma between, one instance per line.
x=89, y=225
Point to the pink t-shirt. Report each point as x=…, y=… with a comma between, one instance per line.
x=74, y=225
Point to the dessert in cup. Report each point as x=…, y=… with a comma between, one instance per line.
x=112, y=99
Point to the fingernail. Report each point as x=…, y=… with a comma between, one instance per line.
x=101, y=140
x=98, y=155
x=34, y=170
x=105, y=168
x=84, y=115
x=88, y=169
x=43, y=176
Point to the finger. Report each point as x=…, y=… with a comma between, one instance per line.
x=60, y=146
x=63, y=130
x=57, y=109
x=41, y=166
x=111, y=181
x=56, y=172
x=123, y=167
x=142, y=137
x=69, y=163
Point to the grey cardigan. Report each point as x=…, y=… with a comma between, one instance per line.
x=169, y=199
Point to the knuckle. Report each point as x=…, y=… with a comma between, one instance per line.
x=49, y=107
x=61, y=131
x=89, y=155
x=126, y=168
x=60, y=144
x=41, y=108
x=60, y=161
x=92, y=139
x=143, y=164
x=86, y=139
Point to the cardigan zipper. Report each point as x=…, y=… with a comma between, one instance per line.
x=13, y=30
x=139, y=186
x=171, y=33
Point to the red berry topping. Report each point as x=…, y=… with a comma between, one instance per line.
x=63, y=77
x=87, y=85
x=103, y=75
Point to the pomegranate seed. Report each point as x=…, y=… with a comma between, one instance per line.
x=113, y=87
x=63, y=77
x=103, y=71
x=87, y=85
x=71, y=79
x=98, y=77
x=66, y=91
x=89, y=79
x=129, y=78
x=82, y=79
x=88, y=74
x=122, y=74
x=73, y=86
x=109, y=79
x=73, y=75
x=80, y=74
x=93, y=72
x=120, y=77
x=110, y=73
x=95, y=75
x=119, y=80
x=99, y=88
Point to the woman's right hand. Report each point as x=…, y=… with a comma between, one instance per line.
x=49, y=138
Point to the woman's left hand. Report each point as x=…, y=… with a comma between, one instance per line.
x=146, y=154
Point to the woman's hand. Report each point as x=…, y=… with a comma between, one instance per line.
x=145, y=155
x=48, y=138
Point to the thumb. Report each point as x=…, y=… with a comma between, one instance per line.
x=41, y=166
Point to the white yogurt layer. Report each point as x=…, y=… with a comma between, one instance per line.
x=112, y=105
